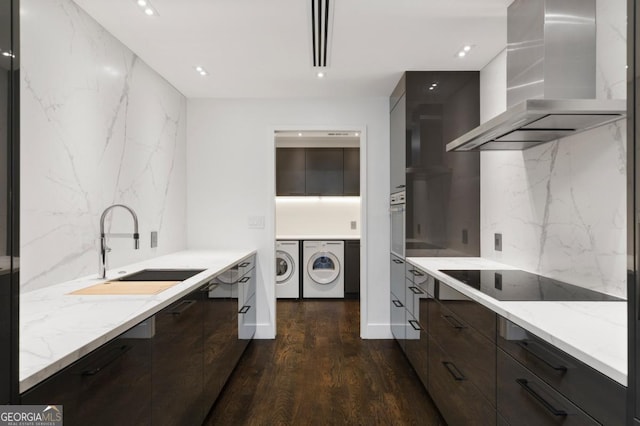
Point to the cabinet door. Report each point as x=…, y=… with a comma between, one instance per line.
x=351, y=171
x=398, y=145
x=324, y=171
x=459, y=401
x=352, y=269
x=290, y=171
x=397, y=278
x=247, y=308
x=220, y=334
x=398, y=319
x=178, y=363
x=109, y=386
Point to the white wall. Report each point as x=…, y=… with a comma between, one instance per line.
x=231, y=176
x=98, y=126
x=561, y=206
x=317, y=216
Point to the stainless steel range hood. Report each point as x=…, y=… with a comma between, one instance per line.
x=551, y=65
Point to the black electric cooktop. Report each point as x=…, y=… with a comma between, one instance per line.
x=515, y=285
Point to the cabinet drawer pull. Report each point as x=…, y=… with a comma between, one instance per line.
x=416, y=290
x=243, y=264
x=454, y=322
x=210, y=287
x=244, y=279
x=398, y=303
x=454, y=371
x=546, y=404
x=244, y=309
x=397, y=262
x=530, y=346
x=181, y=307
x=109, y=358
x=416, y=325
x=416, y=273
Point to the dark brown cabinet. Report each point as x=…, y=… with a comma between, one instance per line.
x=352, y=269
x=169, y=369
x=600, y=396
x=428, y=110
x=317, y=171
x=324, y=171
x=111, y=385
x=524, y=399
x=351, y=172
x=290, y=171
x=178, y=342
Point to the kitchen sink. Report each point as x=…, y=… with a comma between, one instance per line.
x=161, y=275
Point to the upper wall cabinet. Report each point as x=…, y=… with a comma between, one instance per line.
x=317, y=171
x=290, y=171
x=429, y=109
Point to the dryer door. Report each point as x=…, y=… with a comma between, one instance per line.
x=323, y=267
x=284, y=266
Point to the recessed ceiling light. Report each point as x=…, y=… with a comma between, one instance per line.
x=201, y=70
x=464, y=50
x=357, y=134
x=320, y=74
x=147, y=7
x=299, y=134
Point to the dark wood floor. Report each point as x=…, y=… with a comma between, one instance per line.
x=319, y=371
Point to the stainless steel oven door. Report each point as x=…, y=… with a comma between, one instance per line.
x=397, y=229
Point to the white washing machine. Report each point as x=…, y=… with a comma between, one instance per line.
x=323, y=264
x=287, y=270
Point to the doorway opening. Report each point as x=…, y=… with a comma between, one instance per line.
x=319, y=215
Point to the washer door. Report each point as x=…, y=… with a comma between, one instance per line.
x=284, y=266
x=323, y=267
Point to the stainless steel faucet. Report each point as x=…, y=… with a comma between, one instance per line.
x=102, y=273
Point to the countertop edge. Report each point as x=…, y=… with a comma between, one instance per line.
x=185, y=287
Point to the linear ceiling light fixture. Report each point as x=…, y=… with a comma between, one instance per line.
x=321, y=20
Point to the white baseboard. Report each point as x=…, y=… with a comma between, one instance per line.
x=264, y=331
x=376, y=331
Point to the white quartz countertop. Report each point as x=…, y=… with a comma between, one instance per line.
x=57, y=329
x=593, y=332
x=317, y=237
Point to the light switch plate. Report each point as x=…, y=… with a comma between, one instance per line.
x=354, y=224
x=497, y=242
x=256, y=222
x=154, y=239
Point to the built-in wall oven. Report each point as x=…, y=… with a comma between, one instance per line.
x=397, y=223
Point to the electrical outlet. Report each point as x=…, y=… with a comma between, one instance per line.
x=465, y=236
x=154, y=239
x=354, y=225
x=497, y=242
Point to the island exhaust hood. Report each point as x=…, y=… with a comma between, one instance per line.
x=551, y=69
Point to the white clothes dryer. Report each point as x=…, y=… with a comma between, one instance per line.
x=287, y=270
x=323, y=263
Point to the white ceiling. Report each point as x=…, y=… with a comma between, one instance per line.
x=262, y=48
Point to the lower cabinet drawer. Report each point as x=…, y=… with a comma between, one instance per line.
x=460, y=402
x=398, y=320
x=416, y=348
x=602, y=397
x=470, y=351
x=524, y=399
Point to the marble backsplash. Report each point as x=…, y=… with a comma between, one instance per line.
x=98, y=127
x=561, y=206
